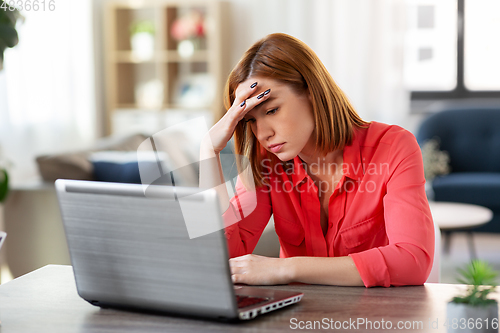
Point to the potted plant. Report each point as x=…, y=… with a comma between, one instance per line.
x=474, y=311
x=8, y=38
x=8, y=34
x=436, y=163
x=142, y=39
x=4, y=189
x=4, y=184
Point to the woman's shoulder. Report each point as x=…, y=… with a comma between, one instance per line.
x=380, y=133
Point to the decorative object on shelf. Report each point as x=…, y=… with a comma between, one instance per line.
x=149, y=95
x=8, y=34
x=189, y=30
x=190, y=83
x=142, y=40
x=436, y=163
x=474, y=311
x=195, y=91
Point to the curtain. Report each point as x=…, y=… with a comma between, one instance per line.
x=359, y=41
x=47, y=101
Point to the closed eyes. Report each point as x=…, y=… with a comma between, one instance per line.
x=269, y=113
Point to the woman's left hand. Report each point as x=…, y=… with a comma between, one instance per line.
x=259, y=270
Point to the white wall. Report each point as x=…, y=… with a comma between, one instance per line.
x=359, y=41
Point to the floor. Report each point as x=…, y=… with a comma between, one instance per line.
x=487, y=248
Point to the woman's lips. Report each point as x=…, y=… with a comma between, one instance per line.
x=276, y=148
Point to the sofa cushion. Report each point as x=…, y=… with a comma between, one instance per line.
x=123, y=167
x=480, y=188
x=470, y=135
x=76, y=165
x=117, y=172
x=67, y=166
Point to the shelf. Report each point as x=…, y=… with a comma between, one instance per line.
x=130, y=57
x=173, y=56
x=148, y=73
x=165, y=107
x=187, y=108
x=164, y=56
x=127, y=107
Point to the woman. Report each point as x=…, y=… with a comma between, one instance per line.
x=347, y=196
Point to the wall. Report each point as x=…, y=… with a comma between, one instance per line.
x=359, y=41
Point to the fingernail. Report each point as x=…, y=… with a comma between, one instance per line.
x=260, y=96
x=243, y=104
x=267, y=91
x=253, y=85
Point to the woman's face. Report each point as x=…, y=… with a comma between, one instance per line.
x=284, y=122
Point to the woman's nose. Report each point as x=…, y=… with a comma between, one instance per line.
x=263, y=131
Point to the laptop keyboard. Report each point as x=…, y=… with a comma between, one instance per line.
x=244, y=301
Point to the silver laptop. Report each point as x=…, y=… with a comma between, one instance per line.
x=131, y=249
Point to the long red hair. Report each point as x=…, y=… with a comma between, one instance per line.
x=284, y=58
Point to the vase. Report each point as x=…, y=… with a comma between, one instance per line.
x=142, y=46
x=466, y=318
x=187, y=47
x=149, y=95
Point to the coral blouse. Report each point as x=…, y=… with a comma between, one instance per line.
x=378, y=213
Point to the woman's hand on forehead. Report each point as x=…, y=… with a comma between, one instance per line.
x=248, y=95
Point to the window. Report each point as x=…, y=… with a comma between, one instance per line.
x=481, y=46
x=451, y=49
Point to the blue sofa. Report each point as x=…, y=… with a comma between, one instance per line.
x=471, y=136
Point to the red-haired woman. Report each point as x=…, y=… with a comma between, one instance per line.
x=347, y=195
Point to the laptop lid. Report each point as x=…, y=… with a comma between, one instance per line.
x=129, y=250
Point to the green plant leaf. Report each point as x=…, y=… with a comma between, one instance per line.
x=8, y=35
x=4, y=184
x=142, y=26
x=480, y=277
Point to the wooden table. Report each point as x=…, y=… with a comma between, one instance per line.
x=46, y=301
x=454, y=216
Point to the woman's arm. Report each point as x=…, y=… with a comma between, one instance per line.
x=211, y=175
x=407, y=259
x=253, y=269
x=245, y=220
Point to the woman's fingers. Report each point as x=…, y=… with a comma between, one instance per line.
x=237, y=278
x=245, y=93
x=252, y=102
x=254, y=269
x=238, y=268
x=247, y=105
x=247, y=97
